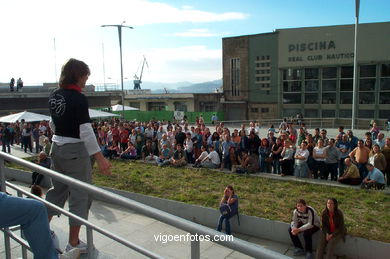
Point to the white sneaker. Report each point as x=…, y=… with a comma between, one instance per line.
x=82, y=246
x=71, y=254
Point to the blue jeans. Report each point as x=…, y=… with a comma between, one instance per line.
x=301, y=170
x=31, y=215
x=276, y=166
x=225, y=218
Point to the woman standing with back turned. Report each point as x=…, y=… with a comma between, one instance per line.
x=73, y=143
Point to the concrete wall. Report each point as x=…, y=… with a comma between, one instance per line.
x=354, y=247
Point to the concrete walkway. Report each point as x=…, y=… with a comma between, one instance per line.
x=142, y=231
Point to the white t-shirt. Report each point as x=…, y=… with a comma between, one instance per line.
x=214, y=157
x=319, y=151
x=203, y=155
x=305, y=153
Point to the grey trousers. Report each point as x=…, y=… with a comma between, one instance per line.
x=71, y=160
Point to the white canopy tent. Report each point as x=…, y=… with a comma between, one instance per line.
x=26, y=116
x=100, y=114
x=118, y=107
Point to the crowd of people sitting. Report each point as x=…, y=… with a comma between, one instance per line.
x=285, y=150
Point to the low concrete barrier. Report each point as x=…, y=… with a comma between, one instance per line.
x=354, y=247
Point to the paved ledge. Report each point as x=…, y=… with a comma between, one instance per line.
x=258, y=228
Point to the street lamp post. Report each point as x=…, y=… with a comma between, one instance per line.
x=119, y=26
x=355, y=69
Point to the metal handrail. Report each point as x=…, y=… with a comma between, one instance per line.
x=175, y=221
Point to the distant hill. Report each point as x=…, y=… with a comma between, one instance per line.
x=184, y=87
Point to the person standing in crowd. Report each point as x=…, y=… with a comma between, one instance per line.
x=377, y=159
x=12, y=85
x=301, y=156
x=5, y=137
x=74, y=142
x=360, y=156
x=344, y=147
x=228, y=207
x=35, y=135
x=287, y=162
x=276, y=151
x=386, y=153
x=305, y=220
x=19, y=85
x=319, y=156
x=332, y=160
x=351, y=174
x=353, y=141
x=380, y=140
x=333, y=229
x=375, y=178
x=26, y=137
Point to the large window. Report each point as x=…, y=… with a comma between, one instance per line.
x=329, y=85
x=346, y=84
x=292, y=98
x=311, y=113
x=329, y=72
x=367, y=84
x=328, y=113
x=311, y=98
x=312, y=86
x=207, y=106
x=384, y=98
x=180, y=106
x=311, y=73
x=346, y=98
x=156, y=106
x=345, y=113
x=329, y=98
x=367, y=114
x=292, y=86
x=235, y=76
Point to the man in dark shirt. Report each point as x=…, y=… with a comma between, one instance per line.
x=180, y=136
x=179, y=157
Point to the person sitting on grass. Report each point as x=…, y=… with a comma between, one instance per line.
x=211, y=160
x=148, y=152
x=375, y=178
x=130, y=152
x=165, y=156
x=333, y=229
x=228, y=208
x=306, y=221
x=179, y=157
x=249, y=163
x=112, y=150
x=202, y=156
x=351, y=174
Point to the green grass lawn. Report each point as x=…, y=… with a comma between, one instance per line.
x=367, y=213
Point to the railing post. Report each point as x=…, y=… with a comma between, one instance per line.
x=90, y=243
x=195, y=249
x=7, y=244
x=24, y=250
x=2, y=174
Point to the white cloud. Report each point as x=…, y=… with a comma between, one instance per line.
x=197, y=33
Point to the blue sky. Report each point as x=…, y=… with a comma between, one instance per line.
x=181, y=39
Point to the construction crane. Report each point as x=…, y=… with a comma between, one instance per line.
x=137, y=80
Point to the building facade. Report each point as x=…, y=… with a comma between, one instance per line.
x=307, y=71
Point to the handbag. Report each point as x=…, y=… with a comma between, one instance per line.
x=269, y=159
